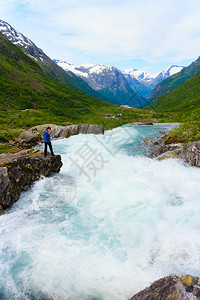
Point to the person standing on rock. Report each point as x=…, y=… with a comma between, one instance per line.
x=47, y=141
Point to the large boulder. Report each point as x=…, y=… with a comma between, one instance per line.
x=91, y=129
x=18, y=171
x=33, y=136
x=172, y=287
x=69, y=131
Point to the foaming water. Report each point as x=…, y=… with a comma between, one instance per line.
x=133, y=222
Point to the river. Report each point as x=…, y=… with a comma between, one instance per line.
x=108, y=225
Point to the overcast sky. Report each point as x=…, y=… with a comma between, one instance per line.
x=145, y=34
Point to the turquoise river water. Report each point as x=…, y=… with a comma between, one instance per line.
x=108, y=225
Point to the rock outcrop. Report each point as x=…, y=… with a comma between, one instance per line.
x=172, y=287
x=18, y=171
x=35, y=134
x=189, y=153
x=192, y=154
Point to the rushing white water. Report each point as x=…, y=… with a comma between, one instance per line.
x=105, y=236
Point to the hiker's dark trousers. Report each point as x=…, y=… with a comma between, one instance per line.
x=45, y=148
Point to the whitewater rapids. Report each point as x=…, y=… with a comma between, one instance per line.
x=102, y=233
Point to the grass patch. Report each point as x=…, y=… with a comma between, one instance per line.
x=185, y=133
x=6, y=135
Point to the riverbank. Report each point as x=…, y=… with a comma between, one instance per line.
x=20, y=170
x=135, y=221
x=187, y=152
x=163, y=149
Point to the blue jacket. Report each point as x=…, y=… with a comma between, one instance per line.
x=47, y=137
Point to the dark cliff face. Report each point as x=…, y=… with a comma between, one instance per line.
x=18, y=175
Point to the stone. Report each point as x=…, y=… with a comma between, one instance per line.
x=55, y=133
x=34, y=135
x=148, y=140
x=192, y=154
x=94, y=129
x=177, y=153
x=31, y=137
x=1, y=210
x=20, y=170
x=189, y=153
x=70, y=130
x=146, y=124
x=171, y=287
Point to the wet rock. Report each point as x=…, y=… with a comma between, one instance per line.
x=171, y=287
x=161, y=148
x=20, y=170
x=189, y=153
x=192, y=154
x=148, y=141
x=1, y=210
x=146, y=124
x=177, y=153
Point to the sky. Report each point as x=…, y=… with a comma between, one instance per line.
x=143, y=34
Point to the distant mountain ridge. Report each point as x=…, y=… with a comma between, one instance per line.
x=49, y=67
x=174, y=81
x=130, y=87
x=109, y=81
x=139, y=81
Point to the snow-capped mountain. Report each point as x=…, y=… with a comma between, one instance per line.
x=102, y=78
x=109, y=81
x=21, y=41
x=169, y=71
x=48, y=66
x=140, y=81
x=151, y=80
x=92, y=74
x=106, y=83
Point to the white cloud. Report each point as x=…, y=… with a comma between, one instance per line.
x=115, y=30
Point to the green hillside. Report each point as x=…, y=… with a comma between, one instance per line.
x=68, y=79
x=48, y=66
x=29, y=97
x=174, y=81
x=25, y=86
x=185, y=97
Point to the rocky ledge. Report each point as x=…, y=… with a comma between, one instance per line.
x=172, y=287
x=18, y=171
x=34, y=135
x=189, y=153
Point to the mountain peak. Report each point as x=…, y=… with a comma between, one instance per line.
x=152, y=80
x=198, y=59
x=21, y=41
x=172, y=69
x=109, y=81
x=13, y=35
